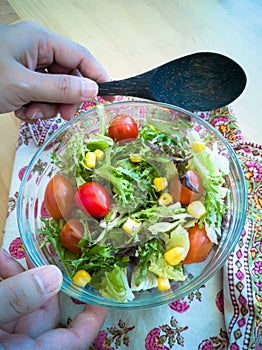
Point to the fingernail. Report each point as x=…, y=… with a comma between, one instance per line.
x=48, y=279
x=89, y=88
x=36, y=115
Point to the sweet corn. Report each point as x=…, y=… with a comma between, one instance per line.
x=82, y=278
x=165, y=199
x=135, y=159
x=174, y=255
x=196, y=209
x=99, y=154
x=163, y=283
x=90, y=160
x=130, y=225
x=198, y=146
x=160, y=183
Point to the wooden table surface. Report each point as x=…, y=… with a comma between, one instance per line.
x=130, y=37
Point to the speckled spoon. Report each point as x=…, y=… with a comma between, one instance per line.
x=199, y=81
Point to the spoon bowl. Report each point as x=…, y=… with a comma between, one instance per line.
x=200, y=81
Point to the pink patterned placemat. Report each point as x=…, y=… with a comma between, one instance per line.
x=225, y=313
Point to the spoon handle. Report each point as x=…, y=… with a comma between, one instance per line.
x=136, y=86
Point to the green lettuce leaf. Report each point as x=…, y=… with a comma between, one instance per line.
x=147, y=281
x=212, y=167
x=113, y=285
x=162, y=269
x=178, y=238
x=132, y=183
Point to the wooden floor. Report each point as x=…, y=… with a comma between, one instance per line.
x=130, y=37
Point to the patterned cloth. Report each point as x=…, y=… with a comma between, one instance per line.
x=225, y=313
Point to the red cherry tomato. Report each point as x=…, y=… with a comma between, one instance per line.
x=184, y=194
x=123, y=128
x=71, y=234
x=200, y=245
x=59, y=197
x=93, y=199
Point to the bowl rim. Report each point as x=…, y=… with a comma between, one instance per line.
x=209, y=271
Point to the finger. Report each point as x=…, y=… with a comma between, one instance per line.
x=54, y=68
x=51, y=48
x=34, y=111
x=69, y=54
x=81, y=332
x=46, y=110
x=8, y=266
x=37, y=111
x=92, y=315
x=41, y=320
x=49, y=313
x=27, y=291
x=60, y=88
x=68, y=111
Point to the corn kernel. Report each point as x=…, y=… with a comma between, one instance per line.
x=174, y=255
x=196, y=209
x=152, y=127
x=82, y=278
x=165, y=199
x=163, y=283
x=99, y=154
x=90, y=160
x=135, y=159
x=198, y=146
x=160, y=183
x=130, y=225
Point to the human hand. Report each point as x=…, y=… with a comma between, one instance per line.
x=29, y=311
x=40, y=66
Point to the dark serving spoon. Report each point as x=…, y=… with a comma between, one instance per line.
x=199, y=81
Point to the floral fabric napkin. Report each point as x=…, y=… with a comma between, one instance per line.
x=225, y=313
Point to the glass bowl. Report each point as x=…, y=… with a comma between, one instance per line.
x=175, y=121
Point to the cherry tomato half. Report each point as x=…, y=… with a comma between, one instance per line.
x=71, y=234
x=200, y=245
x=93, y=199
x=59, y=197
x=190, y=190
x=123, y=128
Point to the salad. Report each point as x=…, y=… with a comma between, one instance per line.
x=132, y=205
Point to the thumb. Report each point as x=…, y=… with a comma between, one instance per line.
x=61, y=88
x=28, y=291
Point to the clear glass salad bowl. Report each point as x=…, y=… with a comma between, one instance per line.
x=197, y=140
